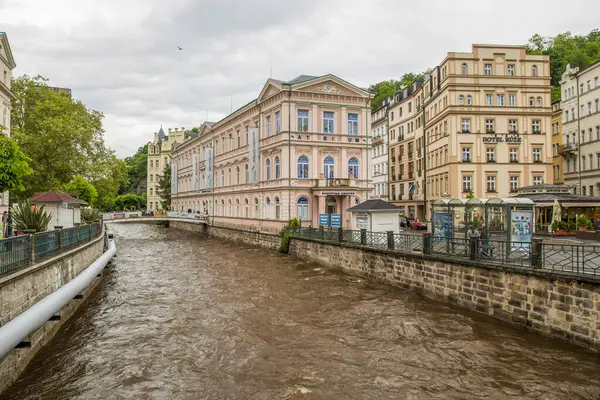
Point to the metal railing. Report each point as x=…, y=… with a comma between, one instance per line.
x=565, y=258
x=23, y=251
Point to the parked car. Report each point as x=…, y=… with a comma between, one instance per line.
x=419, y=225
x=405, y=222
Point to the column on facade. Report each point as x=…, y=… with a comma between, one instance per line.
x=343, y=117
x=314, y=119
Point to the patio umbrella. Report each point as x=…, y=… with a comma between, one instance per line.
x=556, y=213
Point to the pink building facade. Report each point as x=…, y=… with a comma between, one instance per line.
x=311, y=155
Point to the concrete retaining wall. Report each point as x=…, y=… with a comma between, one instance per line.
x=24, y=288
x=540, y=301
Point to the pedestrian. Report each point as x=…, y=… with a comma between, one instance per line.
x=8, y=224
x=4, y=216
x=485, y=238
x=472, y=232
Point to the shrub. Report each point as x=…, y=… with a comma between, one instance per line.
x=294, y=223
x=286, y=237
x=89, y=215
x=584, y=221
x=571, y=226
x=27, y=217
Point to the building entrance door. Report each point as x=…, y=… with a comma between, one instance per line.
x=330, y=205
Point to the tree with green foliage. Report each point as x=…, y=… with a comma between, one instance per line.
x=83, y=189
x=14, y=165
x=384, y=89
x=564, y=49
x=130, y=202
x=164, y=187
x=137, y=171
x=63, y=139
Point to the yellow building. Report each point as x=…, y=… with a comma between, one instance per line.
x=7, y=64
x=557, y=158
x=159, y=156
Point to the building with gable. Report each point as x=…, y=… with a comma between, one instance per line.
x=301, y=149
x=7, y=64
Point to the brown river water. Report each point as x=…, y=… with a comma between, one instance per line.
x=180, y=317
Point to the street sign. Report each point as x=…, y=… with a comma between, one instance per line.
x=324, y=219
x=336, y=220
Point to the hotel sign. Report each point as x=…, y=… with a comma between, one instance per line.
x=508, y=138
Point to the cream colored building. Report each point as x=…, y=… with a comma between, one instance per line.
x=159, y=156
x=7, y=64
x=406, y=172
x=380, y=159
x=487, y=123
x=311, y=155
x=580, y=91
x=557, y=143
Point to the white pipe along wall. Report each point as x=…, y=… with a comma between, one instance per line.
x=36, y=316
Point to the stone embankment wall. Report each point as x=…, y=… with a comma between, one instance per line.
x=250, y=237
x=22, y=289
x=545, y=302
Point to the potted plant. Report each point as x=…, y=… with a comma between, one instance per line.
x=584, y=223
x=571, y=226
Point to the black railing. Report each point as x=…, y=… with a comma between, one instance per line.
x=23, y=251
x=565, y=258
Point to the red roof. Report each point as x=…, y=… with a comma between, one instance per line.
x=55, y=196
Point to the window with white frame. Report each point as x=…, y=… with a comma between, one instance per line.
x=461, y=100
x=246, y=176
x=513, y=154
x=277, y=208
x=538, y=180
x=268, y=169
x=267, y=208
x=464, y=69
x=466, y=154
x=490, y=154
x=268, y=125
x=514, y=183
x=246, y=208
x=512, y=100
x=329, y=167
x=537, y=154
x=534, y=70
x=489, y=99
x=488, y=69
x=539, y=101
x=469, y=100
x=302, y=210
x=277, y=168
x=256, y=208
x=531, y=101
x=489, y=125
x=491, y=183
x=466, y=125
x=237, y=175
x=353, y=124
x=302, y=120
x=302, y=167
x=512, y=125
x=353, y=168
x=278, y=122
x=536, y=126
x=500, y=100
x=511, y=69
x=328, y=122
x=467, y=180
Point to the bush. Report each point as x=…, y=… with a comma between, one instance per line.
x=27, y=217
x=294, y=223
x=571, y=226
x=286, y=237
x=89, y=215
x=584, y=221
x=562, y=225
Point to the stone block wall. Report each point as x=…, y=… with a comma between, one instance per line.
x=24, y=288
x=545, y=302
x=251, y=237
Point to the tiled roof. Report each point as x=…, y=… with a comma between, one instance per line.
x=55, y=196
x=374, y=205
x=301, y=79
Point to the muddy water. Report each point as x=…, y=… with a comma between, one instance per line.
x=184, y=318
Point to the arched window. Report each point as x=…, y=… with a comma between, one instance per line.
x=329, y=167
x=268, y=208
x=223, y=208
x=356, y=201
x=469, y=100
x=464, y=69
x=216, y=211
x=534, y=70
x=237, y=207
x=247, y=177
x=223, y=178
x=237, y=175
x=539, y=101
x=353, y=168
x=229, y=209
x=246, y=207
x=277, y=208
x=302, y=211
x=229, y=181
x=277, y=168
x=531, y=101
x=268, y=169
x=255, y=208
x=302, y=167
x=461, y=100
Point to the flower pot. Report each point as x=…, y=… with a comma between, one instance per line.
x=582, y=229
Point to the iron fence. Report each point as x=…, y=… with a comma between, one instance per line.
x=22, y=251
x=567, y=258
x=46, y=244
x=14, y=253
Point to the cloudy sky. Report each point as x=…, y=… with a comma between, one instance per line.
x=121, y=57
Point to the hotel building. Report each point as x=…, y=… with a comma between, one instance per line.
x=487, y=124
x=7, y=64
x=557, y=143
x=580, y=91
x=301, y=149
x=379, y=137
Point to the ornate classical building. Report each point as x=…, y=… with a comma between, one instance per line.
x=301, y=149
x=580, y=91
x=159, y=156
x=7, y=64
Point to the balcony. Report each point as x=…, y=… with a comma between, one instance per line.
x=466, y=160
x=465, y=131
x=568, y=148
x=337, y=182
x=377, y=141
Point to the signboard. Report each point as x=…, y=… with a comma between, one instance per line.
x=521, y=226
x=443, y=224
x=336, y=220
x=173, y=178
x=208, y=162
x=324, y=219
x=195, y=172
x=508, y=138
x=338, y=193
x=253, y=155
x=375, y=197
x=362, y=221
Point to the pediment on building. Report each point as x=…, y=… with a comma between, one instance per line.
x=271, y=88
x=5, y=52
x=331, y=84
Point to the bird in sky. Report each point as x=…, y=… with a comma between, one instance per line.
x=180, y=48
